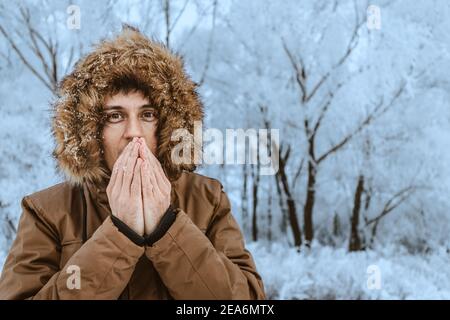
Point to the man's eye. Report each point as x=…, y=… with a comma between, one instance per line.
x=149, y=115
x=114, y=117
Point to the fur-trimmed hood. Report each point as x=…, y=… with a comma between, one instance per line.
x=78, y=115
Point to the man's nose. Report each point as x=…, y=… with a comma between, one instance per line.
x=133, y=129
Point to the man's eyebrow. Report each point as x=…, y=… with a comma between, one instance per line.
x=145, y=106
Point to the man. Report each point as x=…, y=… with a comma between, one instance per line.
x=129, y=223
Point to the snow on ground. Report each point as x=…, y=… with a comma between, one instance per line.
x=330, y=273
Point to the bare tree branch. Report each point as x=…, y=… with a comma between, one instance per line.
x=166, y=9
x=396, y=200
x=24, y=60
x=376, y=113
x=179, y=15
x=244, y=44
x=46, y=51
x=331, y=95
x=11, y=225
x=297, y=174
x=323, y=111
x=33, y=45
x=300, y=74
x=69, y=61
x=299, y=67
x=354, y=39
x=209, y=50
x=194, y=28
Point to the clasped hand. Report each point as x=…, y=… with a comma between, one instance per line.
x=138, y=191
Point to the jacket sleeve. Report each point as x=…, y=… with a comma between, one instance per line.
x=215, y=265
x=104, y=263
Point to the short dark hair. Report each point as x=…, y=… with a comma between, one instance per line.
x=129, y=83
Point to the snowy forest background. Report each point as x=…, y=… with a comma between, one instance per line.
x=363, y=184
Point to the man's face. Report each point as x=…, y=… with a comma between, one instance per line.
x=127, y=116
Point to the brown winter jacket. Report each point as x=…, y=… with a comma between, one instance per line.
x=200, y=256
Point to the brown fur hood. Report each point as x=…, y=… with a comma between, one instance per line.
x=77, y=119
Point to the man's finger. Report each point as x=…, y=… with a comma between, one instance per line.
x=155, y=160
x=149, y=181
x=160, y=178
x=128, y=168
x=142, y=152
x=158, y=171
x=136, y=183
x=156, y=168
x=121, y=156
x=152, y=167
x=115, y=169
x=147, y=193
x=120, y=164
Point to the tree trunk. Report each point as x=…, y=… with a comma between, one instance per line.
x=255, y=198
x=269, y=215
x=284, y=212
x=337, y=228
x=254, y=215
x=244, y=200
x=355, y=241
x=309, y=204
x=291, y=207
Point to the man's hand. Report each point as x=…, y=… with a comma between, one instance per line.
x=156, y=189
x=124, y=188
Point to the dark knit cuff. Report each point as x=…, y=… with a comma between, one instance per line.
x=164, y=225
x=126, y=230
x=166, y=222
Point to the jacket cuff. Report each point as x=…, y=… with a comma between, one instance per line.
x=166, y=222
x=109, y=231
